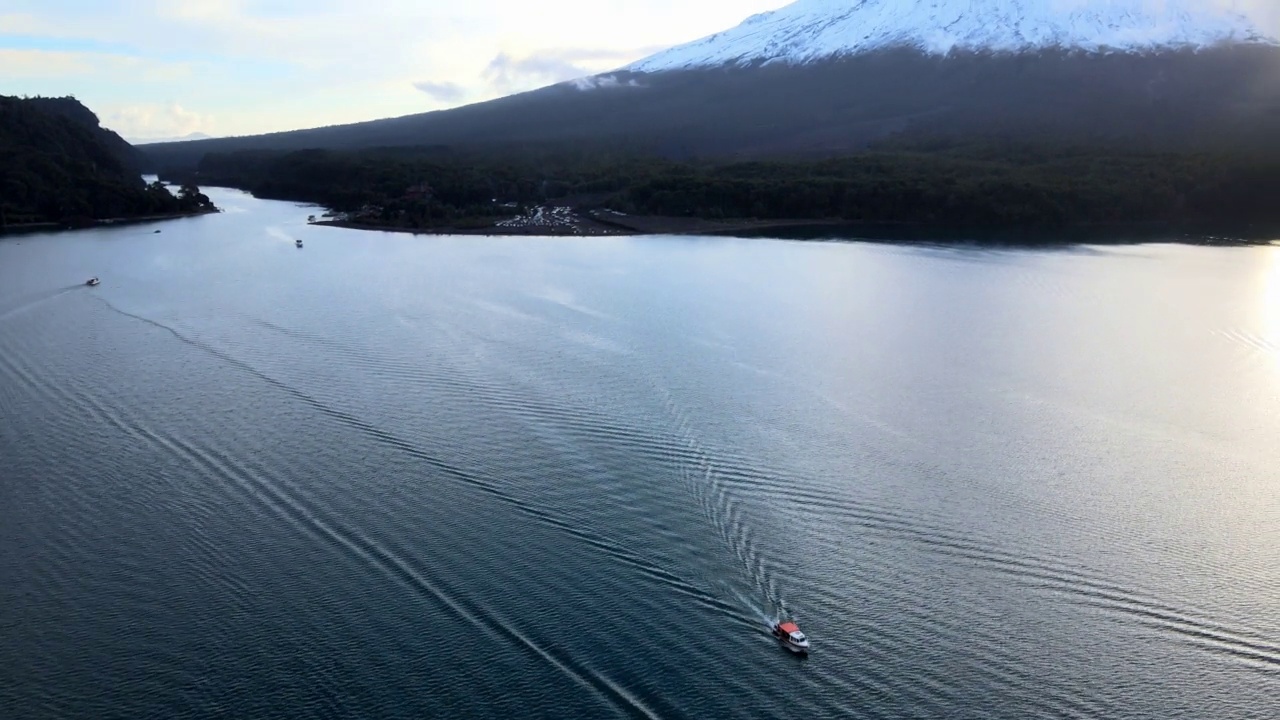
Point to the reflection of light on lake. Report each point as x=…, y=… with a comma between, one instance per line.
x=1270, y=312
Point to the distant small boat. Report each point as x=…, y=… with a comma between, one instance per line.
x=156, y=232
x=791, y=637
x=298, y=243
x=91, y=281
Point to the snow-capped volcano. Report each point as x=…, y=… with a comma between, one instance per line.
x=809, y=30
x=823, y=78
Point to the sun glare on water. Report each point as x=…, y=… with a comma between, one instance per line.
x=1270, y=310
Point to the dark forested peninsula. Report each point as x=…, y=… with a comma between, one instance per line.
x=974, y=182
x=59, y=167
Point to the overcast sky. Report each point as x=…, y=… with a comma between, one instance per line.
x=224, y=67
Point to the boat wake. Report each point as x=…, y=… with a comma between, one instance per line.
x=276, y=233
x=35, y=301
x=291, y=504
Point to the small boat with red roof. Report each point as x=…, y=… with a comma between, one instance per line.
x=789, y=633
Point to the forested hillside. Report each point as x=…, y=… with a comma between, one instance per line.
x=58, y=165
x=976, y=182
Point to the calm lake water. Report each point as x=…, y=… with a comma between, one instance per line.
x=406, y=477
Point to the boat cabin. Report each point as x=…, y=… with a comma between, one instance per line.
x=791, y=631
x=791, y=637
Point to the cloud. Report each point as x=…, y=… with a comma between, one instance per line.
x=442, y=91
x=603, y=81
x=51, y=65
x=507, y=73
x=152, y=121
x=44, y=63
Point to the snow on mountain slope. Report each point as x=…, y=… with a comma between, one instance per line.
x=810, y=30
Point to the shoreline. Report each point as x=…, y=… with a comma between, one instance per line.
x=841, y=230
x=26, y=228
x=594, y=226
x=573, y=219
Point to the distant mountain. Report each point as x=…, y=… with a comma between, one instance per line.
x=827, y=77
x=57, y=164
x=810, y=31
x=185, y=138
